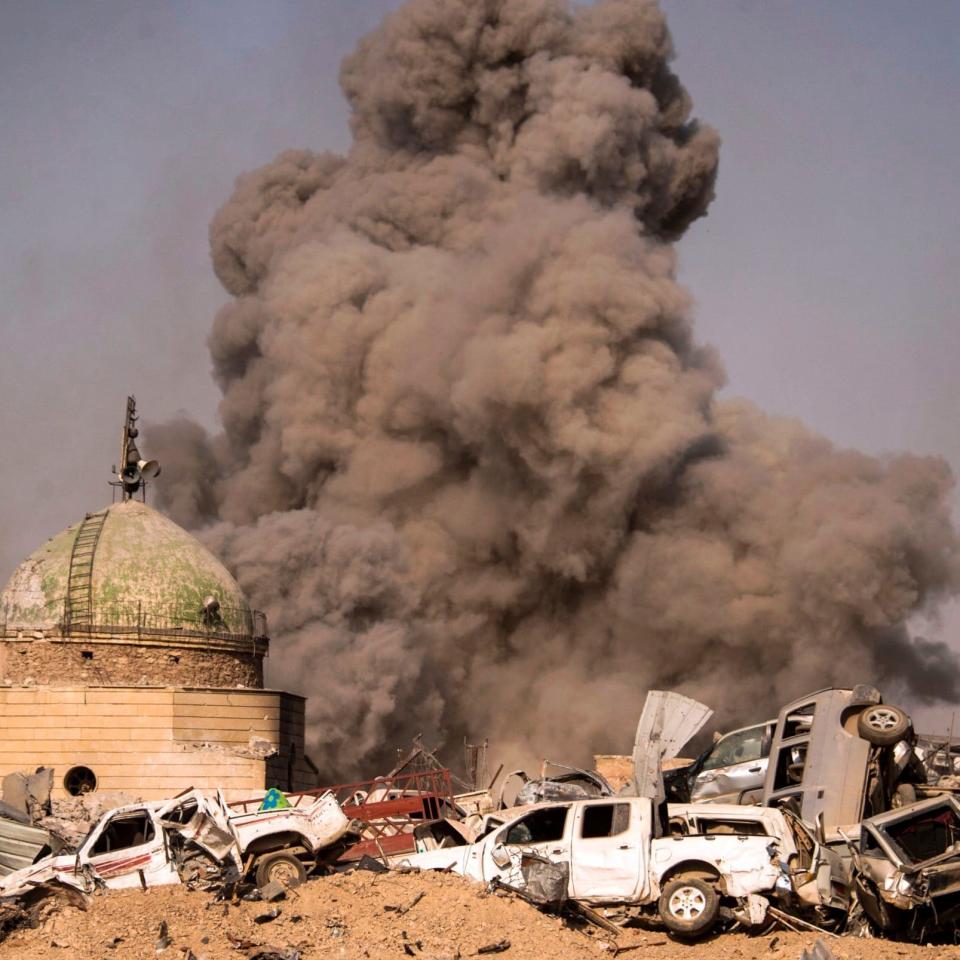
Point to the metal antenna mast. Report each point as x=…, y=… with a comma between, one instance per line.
x=134, y=471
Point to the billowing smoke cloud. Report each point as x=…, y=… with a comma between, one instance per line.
x=471, y=461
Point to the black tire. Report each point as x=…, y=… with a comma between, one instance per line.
x=689, y=905
x=905, y=793
x=883, y=725
x=284, y=868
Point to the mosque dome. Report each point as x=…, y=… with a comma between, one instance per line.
x=127, y=597
x=131, y=661
x=125, y=566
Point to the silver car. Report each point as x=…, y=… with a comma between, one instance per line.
x=732, y=770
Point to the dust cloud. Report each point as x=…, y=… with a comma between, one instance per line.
x=472, y=464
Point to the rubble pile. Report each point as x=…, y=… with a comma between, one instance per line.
x=356, y=916
x=70, y=818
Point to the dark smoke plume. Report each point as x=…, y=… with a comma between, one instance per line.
x=471, y=463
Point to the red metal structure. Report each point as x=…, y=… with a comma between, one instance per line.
x=388, y=808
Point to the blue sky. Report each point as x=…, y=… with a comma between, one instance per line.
x=827, y=273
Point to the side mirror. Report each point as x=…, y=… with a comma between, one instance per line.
x=500, y=856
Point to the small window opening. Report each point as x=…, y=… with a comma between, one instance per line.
x=605, y=820
x=742, y=828
x=799, y=722
x=182, y=814
x=124, y=831
x=174, y=658
x=79, y=781
x=791, y=762
x=210, y=612
x=86, y=654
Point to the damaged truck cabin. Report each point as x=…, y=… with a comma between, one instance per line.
x=194, y=840
x=614, y=856
x=907, y=872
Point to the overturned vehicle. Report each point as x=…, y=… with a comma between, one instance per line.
x=839, y=755
x=863, y=755
x=569, y=783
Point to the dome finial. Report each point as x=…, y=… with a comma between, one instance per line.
x=134, y=472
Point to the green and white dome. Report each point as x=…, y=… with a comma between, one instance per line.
x=131, y=567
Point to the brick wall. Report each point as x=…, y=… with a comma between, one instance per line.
x=25, y=661
x=153, y=742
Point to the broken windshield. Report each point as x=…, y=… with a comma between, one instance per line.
x=739, y=747
x=928, y=835
x=540, y=826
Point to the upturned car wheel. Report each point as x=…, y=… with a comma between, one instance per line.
x=689, y=905
x=283, y=868
x=883, y=725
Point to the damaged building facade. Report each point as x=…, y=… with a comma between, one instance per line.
x=131, y=661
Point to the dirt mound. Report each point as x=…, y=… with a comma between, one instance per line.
x=372, y=916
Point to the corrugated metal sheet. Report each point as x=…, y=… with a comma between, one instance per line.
x=19, y=845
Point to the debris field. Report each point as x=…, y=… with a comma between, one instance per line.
x=365, y=915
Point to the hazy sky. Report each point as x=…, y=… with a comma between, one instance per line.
x=827, y=272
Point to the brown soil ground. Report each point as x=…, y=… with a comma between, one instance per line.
x=349, y=916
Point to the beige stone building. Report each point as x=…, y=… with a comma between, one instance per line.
x=130, y=661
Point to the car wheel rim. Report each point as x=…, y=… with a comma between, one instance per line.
x=687, y=903
x=284, y=872
x=882, y=719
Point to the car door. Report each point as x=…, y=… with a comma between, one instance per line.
x=609, y=851
x=543, y=831
x=127, y=850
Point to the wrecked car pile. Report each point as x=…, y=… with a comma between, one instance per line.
x=853, y=828
x=826, y=776
x=629, y=854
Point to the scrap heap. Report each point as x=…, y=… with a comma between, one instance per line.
x=857, y=832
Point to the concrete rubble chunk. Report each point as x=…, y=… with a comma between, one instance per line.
x=29, y=792
x=274, y=890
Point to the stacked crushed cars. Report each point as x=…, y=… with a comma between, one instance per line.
x=834, y=816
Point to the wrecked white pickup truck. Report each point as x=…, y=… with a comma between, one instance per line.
x=195, y=840
x=613, y=856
